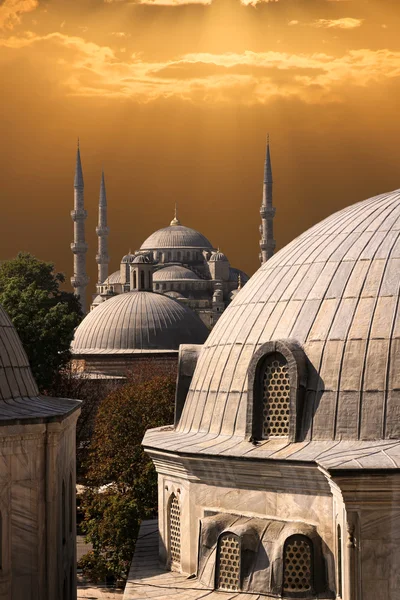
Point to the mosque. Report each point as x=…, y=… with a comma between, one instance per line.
x=171, y=291
x=280, y=476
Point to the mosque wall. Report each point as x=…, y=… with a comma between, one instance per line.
x=299, y=497
x=34, y=459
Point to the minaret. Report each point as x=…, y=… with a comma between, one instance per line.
x=267, y=212
x=79, y=245
x=102, y=231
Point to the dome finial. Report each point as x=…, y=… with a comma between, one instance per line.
x=239, y=287
x=175, y=220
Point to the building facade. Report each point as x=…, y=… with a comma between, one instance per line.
x=37, y=477
x=280, y=476
x=185, y=265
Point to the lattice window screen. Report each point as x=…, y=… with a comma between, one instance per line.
x=276, y=398
x=297, y=565
x=175, y=530
x=229, y=563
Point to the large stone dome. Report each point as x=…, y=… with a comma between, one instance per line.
x=176, y=236
x=137, y=322
x=335, y=292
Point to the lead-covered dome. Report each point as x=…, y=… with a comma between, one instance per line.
x=138, y=321
x=335, y=292
x=174, y=273
x=176, y=236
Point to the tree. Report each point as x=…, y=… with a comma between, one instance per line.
x=122, y=483
x=45, y=316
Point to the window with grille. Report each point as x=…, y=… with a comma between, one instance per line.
x=339, y=559
x=175, y=530
x=298, y=566
x=228, y=574
x=276, y=397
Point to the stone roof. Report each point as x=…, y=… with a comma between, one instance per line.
x=218, y=256
x=176, y=236
x=234, y=275
x=173, y=273
x=136, y=322
x=19, y=396
x=335, y=290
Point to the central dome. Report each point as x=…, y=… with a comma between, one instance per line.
x=176, y=236
x=138, y=322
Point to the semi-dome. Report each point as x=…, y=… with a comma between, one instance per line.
x=173, y=273
x=334, y=293
x=176, y=236
x=136, y=322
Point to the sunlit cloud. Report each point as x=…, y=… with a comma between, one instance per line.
x=90, y=70
x=344, y=23
x=294, y=22
x=12, y=10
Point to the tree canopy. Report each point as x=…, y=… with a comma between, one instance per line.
x=113, y=512
x=44, y=315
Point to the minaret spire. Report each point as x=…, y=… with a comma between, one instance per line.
x=102, y=231
x=79, y=246
x=267, y=211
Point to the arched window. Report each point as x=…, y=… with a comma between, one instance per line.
x=298, y=566
x=169, y=255
x=275, y=397
x=178, y=256
x=174, y=522
x=339, y=560
x=63, y=513
x=149, y=278
x=157, y=286
x=71, y=502
x=228, y=563
x=142, y=283
x=134, y=280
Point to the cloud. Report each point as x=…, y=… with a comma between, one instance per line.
x=11, y=11
x=87, y=69
x=344, y=23
x=294, y=22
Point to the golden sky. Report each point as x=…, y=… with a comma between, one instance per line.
x=174, y=98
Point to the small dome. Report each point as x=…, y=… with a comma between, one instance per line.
x=97, y=300
x=218, y=256
x=113, y=278
x=176, y=236
x=138, y=322
x=141, y=259
x=234, y=276
x=176, y=295
x=128, y=258
x=173, y=273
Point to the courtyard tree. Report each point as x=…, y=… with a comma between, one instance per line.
x=122, y=483
x=44, y=315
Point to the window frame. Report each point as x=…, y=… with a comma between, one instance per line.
x=294, y=355
x=298, y=594
x=218, y=560
x=174, y=563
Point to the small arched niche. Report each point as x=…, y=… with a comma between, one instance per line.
x=276, y=383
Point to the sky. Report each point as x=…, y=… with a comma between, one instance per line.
x=174, y=99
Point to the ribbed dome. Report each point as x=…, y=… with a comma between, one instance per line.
x=138, y=322
x=19, y=399
x=141, y=259
x=173, y=273
x=335, y=290
x=176, y=236
x=114, y=278
x=128, y=258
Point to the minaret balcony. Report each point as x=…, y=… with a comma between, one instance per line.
x=79, y=215
x=263, y=244
x=267, y=212
x=102, y=230
x=79, y=281
x=102, y=259
x=79, y=247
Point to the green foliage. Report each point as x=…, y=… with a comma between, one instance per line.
x=113, y=513
x=44, y=316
